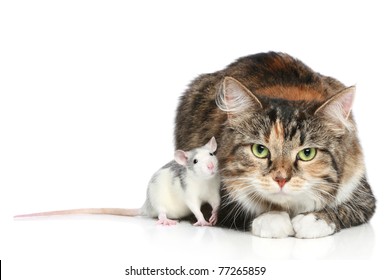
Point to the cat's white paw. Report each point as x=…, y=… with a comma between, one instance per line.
x=309, y=226
x=273, y=224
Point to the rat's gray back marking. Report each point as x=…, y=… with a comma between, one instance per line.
x=176, y=168
x=178, y=171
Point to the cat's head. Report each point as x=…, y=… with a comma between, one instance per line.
x=289, y=153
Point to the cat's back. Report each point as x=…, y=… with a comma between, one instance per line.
x=279, y=75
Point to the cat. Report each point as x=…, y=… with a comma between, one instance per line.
x=290, y=159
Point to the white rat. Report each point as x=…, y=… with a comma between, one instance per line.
x=175, y=190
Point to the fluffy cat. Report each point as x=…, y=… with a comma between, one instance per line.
x=290, y=159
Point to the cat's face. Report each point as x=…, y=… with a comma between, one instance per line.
x=283, y=152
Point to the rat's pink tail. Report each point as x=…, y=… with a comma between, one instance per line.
x=101, y=211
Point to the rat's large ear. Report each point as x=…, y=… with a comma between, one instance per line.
x=338, y=108
x=235, y=99
x=212, y=145
x=181, y=157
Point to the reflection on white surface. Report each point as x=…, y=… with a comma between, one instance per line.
x=353, y=243
x=128, y=237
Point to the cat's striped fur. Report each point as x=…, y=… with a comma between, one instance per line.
x=276, y=101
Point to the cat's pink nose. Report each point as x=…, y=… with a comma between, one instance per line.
x=281, y=181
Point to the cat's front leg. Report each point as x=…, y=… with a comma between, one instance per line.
x=313, y=225
x=356, y=210
x=273, y=224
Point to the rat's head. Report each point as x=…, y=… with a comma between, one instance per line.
x=201, y=161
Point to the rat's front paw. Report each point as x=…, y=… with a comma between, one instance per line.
x=213, y=219
x=273, y=224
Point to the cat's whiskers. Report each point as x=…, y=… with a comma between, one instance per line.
x=245, y=193
x=235, y=211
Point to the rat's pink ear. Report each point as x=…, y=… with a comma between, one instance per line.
x=212, y=145
x=181, y=157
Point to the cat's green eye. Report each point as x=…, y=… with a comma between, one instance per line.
x=260, y=151
x=307, y=154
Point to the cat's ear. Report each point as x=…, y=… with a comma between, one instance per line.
x=235, y=99
x=338, y=107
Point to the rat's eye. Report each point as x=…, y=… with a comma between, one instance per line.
x=195, y=161
x=211, y=154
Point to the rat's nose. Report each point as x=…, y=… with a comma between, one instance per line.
x=210, y=166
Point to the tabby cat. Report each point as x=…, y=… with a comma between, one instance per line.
x=290, y=159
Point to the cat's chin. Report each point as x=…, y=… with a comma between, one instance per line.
x=294, y=201
x=280, y=197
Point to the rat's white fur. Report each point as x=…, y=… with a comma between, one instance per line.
x=167, y=195
x=175, y=196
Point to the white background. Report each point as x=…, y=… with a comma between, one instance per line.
x=88, y=93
